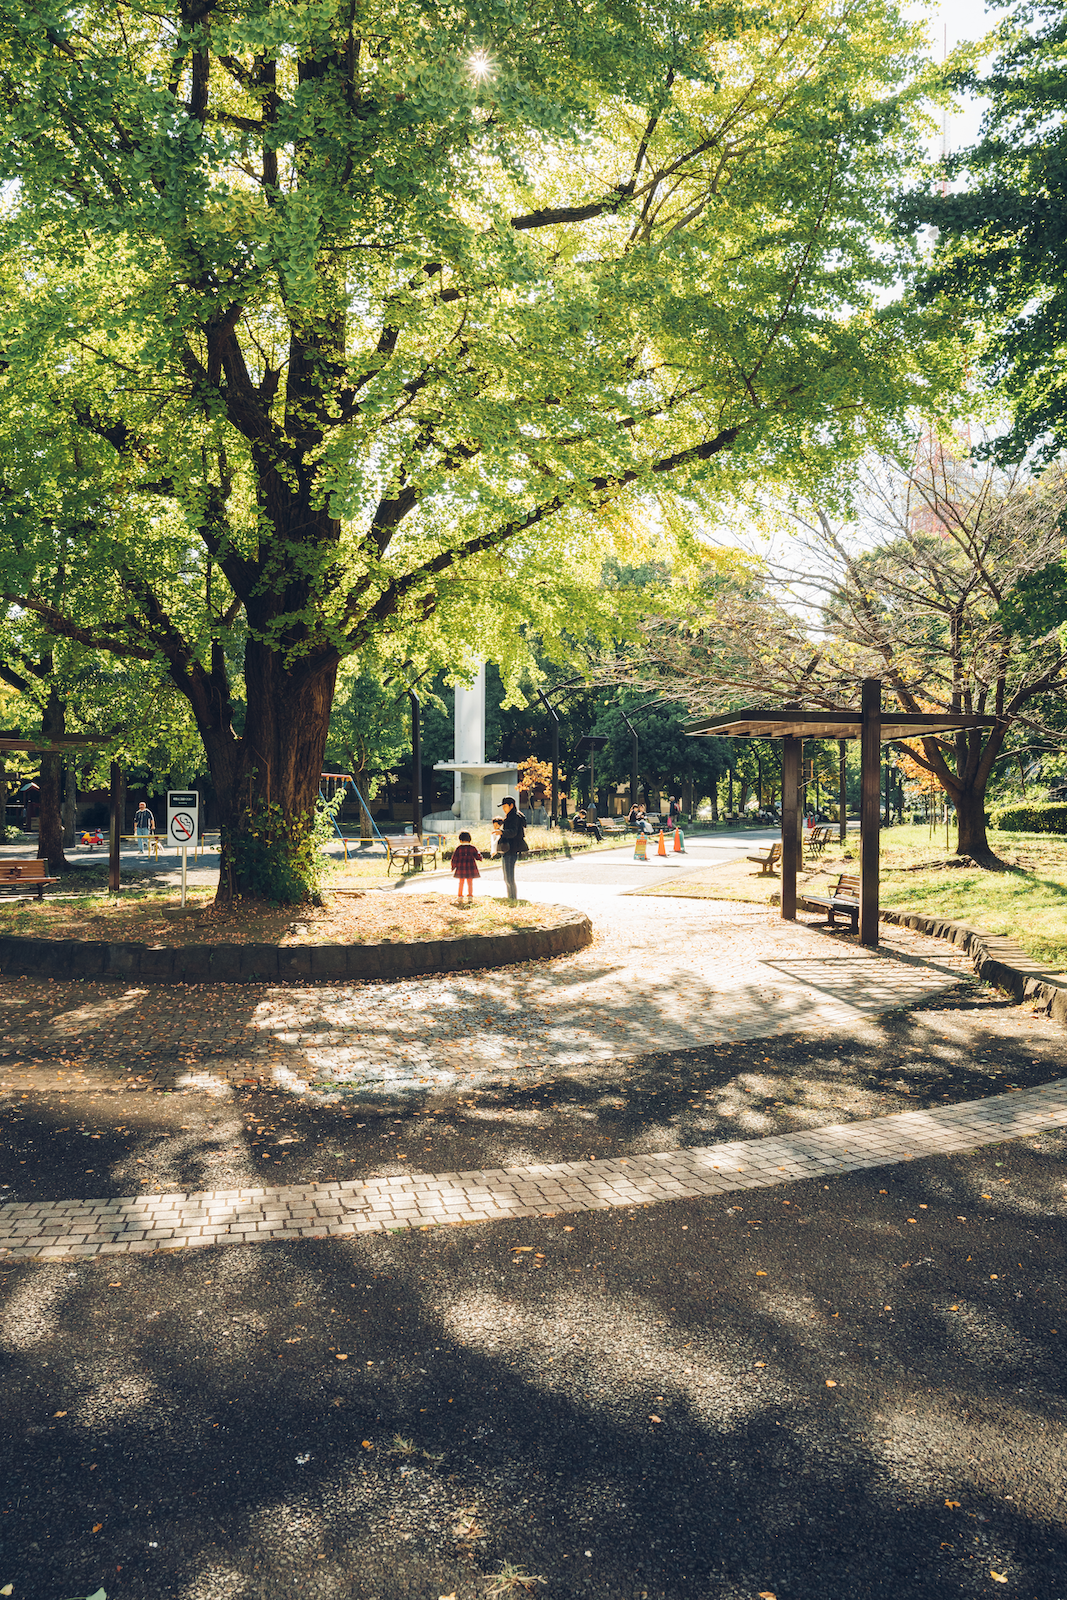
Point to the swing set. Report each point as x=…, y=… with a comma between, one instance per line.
x=329, y=783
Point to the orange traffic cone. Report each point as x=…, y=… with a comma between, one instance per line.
x=640, y=848
x=679, y=843
x=662, y=851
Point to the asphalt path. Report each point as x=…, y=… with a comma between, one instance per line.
x=839, y=1391
x=843, y=1389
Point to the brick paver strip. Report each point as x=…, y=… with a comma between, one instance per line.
x=46, y=1229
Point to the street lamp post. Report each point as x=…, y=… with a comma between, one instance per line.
x=555, y=757
x=633, y=758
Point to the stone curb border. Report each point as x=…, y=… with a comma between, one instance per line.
x=268, y=963
x=997, y=960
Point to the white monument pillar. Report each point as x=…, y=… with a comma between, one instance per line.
x=476, y=793
x=469, y=747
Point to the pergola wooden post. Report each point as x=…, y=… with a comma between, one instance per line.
x=790, y=824
x=115, y=829
x=870, y=724
x=870, y=807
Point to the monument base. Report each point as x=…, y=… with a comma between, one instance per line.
x=483, y=786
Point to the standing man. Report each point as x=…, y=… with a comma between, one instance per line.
x=512, y=843
x=144, y=825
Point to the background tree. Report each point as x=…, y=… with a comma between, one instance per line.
x=1001, y=258
x=369, y=731
x=667, y=759
x=362, y=325
x=916, y=595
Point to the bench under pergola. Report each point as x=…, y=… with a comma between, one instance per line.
x=66, y=744
x=873, y=727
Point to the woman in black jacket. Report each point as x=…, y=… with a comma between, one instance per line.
x=512, y=843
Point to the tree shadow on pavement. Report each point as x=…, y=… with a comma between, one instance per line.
x=802, y=1393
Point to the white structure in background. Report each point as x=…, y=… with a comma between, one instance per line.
x=480, y=785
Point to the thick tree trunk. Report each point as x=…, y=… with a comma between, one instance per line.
x=50, y=836
x=971, y=837
x=267, y=781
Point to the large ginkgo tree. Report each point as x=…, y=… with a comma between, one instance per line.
x=364, y=326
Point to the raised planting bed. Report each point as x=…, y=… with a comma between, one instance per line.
x=350, y=937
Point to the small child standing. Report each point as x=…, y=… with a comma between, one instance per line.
x=465, y=859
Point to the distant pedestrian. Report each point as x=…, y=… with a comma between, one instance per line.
x=465, y=859
x=592, y=821
x=144, y=825
x=512, y=843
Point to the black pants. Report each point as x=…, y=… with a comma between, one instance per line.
x=508, y=863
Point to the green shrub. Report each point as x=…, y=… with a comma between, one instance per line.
x=1037, y=816
x=275, y=856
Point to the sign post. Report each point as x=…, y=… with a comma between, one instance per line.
x=183, y=824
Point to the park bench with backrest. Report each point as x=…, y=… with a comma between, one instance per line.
x=25, y=877
x=818, y=839
x=411, y=851
x=768, y=859
x=843, y=900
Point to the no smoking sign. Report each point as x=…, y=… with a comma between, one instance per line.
x=183, y=816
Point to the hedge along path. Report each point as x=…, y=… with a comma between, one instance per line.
x=45, y=1230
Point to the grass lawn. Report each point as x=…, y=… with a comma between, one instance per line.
x=544, y=844
x=1027, y=902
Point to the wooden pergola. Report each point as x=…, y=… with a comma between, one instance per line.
x=873, y=727
x=63, y=744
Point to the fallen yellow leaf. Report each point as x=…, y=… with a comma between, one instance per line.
x=761, y=1363
x=59, y=1413
x=831, y=1383
x=9, y=1588
x=765, y=1594
x=953, y=1505
x=341, y=1358
x=519, y=1249
x=655, y=1419
x=998, y=1577
x=761, y=1274
x=446, y=1596
x=97, y=1526
x=367, y=1444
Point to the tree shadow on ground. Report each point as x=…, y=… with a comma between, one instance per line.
x=620, y=1406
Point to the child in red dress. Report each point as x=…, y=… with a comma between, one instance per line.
x=465, y=859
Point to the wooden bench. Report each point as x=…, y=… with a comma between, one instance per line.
x=412, y=850
x=25, y=877
x=769, y=859
x=843, y=899
x=818, y=839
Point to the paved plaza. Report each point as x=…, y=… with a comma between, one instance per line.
x=661, y=976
